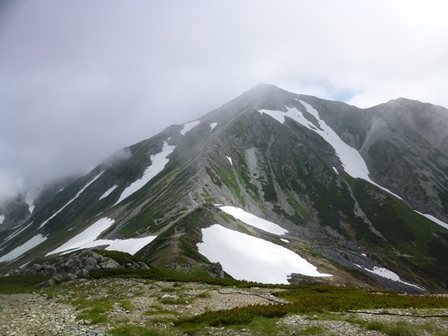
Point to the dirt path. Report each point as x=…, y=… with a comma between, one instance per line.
x=56, y=311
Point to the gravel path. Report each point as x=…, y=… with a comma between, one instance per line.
x=34, y=314
x=142, y=303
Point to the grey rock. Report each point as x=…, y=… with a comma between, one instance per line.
x=110, y=264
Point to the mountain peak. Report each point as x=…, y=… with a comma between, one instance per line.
x=305, y=177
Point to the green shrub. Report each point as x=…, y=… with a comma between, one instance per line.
x=319, y=299
x=137, y=331
x=400, y=328
x=20, y=283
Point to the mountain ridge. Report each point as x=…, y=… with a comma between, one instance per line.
x=268, y=152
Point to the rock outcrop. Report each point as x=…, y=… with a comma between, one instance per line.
x=76, y=265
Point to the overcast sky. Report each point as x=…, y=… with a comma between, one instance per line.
x=82, y=79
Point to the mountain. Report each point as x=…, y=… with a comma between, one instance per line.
x=16, y=211
x=276, y=187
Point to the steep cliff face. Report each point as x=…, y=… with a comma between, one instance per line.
x=343, y=184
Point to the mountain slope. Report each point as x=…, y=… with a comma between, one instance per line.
x=343, y=183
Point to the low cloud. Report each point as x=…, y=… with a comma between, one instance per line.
x=79, y=80
x=120, y=155
x=11, y=187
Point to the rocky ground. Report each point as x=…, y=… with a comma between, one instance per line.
x=60, y=310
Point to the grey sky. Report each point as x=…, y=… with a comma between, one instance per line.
x=82, y=79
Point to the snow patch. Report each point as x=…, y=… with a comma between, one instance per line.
x=230, y=159
x=253, y=259
x=79, y=193
x=188, y=127
x=253, y=220
x=385, y=273
x=88, y=239
x=2, y=218
x=212, y=126
x=335, y=170
x=20, y=250
x=435, y=220
x=131, y=246
x=284, y=240
x=159, y=162
x=351, y=160
x=12, y=235
x=107, y=193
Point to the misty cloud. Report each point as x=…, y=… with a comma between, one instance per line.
x=120, y=155
x=11, y=186
x=80, y=80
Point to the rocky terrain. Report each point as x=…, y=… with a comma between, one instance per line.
x=129, y=303
x=77, y=265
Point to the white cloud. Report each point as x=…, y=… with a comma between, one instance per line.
x=80, y=80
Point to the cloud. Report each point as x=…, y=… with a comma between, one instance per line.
x=120, y=155
x=11, y=186
x=78, y=80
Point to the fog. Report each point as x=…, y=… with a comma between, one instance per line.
x=79, y=80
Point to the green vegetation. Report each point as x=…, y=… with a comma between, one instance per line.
x=408, y=232
x=400, y=328
x=229, y=178
x=132, y=330
x=315, y=299
x=96, y=299
x=120, y=257
x=20, y=283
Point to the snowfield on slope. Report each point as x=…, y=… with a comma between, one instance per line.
x=253, y=259
x=108, y=192
x=253, y=220
x=12, y=235
x=88, y=239
x=385, y=273
x=188, y=127
x=434, y=219
x=77, y=195
x=158, y=163
x=351, y=160
x=20, y=250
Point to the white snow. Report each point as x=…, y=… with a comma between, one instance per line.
x=253, y=259
x=107, y=193
x=12, y=235
x=25, y=264
x=20, y=250
x=335, y=170
x=77, y=195
x=212, y=126
x=159, y=162
x=435, y=220
x=284, y=240
x=132, y=245
x=385, y=273
x=230, y=159
x=188, y=127
x=253, y=220
x=88, y=239
x=2, y=218
x=350, y=158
